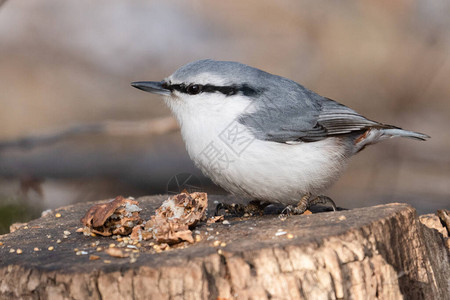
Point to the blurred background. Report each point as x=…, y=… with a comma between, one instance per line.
x=73, y=129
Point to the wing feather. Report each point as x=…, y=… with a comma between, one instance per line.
x=302, y=115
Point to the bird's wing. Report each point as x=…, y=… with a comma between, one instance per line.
x=303, y=116
x=337, y=119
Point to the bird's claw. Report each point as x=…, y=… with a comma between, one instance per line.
x=323, y=200
x=286, y=212
x=305, y=203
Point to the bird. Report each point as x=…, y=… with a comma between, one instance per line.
x=265, y=137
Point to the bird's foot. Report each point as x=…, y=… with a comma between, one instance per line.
x=305, y=203
x=301, y=207
x=252, y=208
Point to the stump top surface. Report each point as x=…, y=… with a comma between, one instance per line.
x=241, y=234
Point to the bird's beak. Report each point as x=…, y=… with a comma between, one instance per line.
x=155, y=87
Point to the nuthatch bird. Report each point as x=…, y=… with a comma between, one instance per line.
x=263, y=136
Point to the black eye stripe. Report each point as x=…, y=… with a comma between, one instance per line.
x=208, y=88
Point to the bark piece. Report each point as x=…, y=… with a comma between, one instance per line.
x=118, y=216
x=444, y=216
x=175, y=216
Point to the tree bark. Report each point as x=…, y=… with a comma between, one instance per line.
x=380, y=252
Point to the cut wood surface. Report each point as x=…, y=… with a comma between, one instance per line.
x=380, y=252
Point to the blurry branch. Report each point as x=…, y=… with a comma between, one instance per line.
x=157, y=126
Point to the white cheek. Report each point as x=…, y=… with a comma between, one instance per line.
x=208, y=110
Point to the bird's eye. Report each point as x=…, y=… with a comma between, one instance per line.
x=165, y=85
x=193, y=89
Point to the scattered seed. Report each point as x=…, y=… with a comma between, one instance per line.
x=51, y=248
x=112, y=245
x=25, y=227
x=36, y=249
x=280, y=233
x=107, y=261
x=81, y=252
x=246, y=215
x=342, y=218
x=223, y=244
x=1, y=243
x=94, y=257
x=226, y=222
x=66, y=232
x=214, y=219
x=79, y=230
x=216, y=243
x=19, y=251
x=58, y=241
x=57, y=215
x=99, y=249
x=290, y=236
x=198, y=238
x=46, y=212
x=12, y=250
x=220, y=252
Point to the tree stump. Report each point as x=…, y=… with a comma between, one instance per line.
x=380, y=252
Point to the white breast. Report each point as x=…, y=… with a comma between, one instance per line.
x=230, y=155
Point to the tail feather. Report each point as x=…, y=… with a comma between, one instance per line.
x=374, y=135
x=393, y=132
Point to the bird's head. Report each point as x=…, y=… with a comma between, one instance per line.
x=209, y=86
